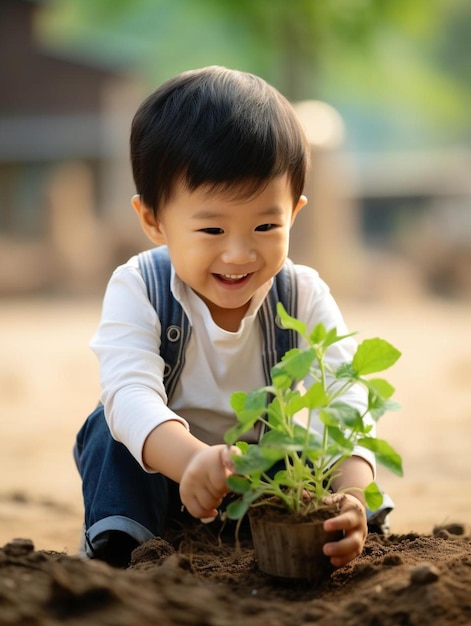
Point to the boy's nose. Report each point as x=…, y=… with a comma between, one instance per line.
x=239, y=252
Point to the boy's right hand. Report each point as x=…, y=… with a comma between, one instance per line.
x=203, y=484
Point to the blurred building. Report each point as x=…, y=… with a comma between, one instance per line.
x=415, y=210
x=63, y=170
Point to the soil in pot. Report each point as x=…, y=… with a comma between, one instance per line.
x=290, y=545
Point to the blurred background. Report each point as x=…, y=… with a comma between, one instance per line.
x=388, y=85
x=383, y=88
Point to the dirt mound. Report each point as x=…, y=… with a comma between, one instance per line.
x=403, y=579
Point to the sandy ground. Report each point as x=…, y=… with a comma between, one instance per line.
x=49, y=382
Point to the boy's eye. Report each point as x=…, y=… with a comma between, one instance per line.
x=212, y=231
x=265, y=227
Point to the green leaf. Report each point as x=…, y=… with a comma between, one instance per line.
x=315, y=397
x=239, y=508
x=296, y=441
x=313, y=456
x=346, y=370
x=257, y=460
x=384, y=453
x=236, y=510
x=249, y=407
x=295, y=402
x=237, y=401
x=374, y=355
x=288, y=322
x=321, y=337
x=233, y=434
x=278, y=440
x=281, y=379
x=285, y=478
x=332, y=337
x=296, y=363
x=256, y=400
x=373, y=496
x=317, y=334
x=329, y=418
x=239, y=484
x=379, y=392
x=377, y=407
x=347, y=415
x=294, y=366
x=245, y=405
x=337, y=435
x=275, y=416
x=380, y=387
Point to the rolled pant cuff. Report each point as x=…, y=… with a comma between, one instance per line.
x=97, y=534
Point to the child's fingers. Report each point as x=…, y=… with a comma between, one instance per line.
x=198, y=509
x=227, y=454
x=351, y=516
x=343, y=551
x=344, y=521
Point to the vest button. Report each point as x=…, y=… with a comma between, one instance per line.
x=174, y=333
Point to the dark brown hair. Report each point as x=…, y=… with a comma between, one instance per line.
x=223, y=128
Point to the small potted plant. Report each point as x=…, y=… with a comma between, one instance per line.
x=286, y=507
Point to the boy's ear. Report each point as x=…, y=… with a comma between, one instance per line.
x=149, y=223
x=300, y=204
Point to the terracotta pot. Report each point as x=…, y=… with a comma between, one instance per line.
x=291, y=549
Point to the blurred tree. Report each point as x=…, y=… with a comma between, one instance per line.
x=381, y=54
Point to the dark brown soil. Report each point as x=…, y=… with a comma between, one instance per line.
x=401, y=580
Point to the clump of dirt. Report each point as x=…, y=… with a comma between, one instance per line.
x=203, y=580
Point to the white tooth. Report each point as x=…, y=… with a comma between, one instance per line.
x=234, y=276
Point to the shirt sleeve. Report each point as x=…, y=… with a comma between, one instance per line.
x=127, y=344
x=316, y=304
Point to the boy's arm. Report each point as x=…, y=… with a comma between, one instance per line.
x=355, y=474
x=201, y=470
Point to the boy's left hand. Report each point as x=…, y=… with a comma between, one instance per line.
x=352, y=520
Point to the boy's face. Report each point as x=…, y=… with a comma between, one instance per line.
x=222, y=247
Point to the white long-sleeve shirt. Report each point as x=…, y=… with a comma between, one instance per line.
x=218, y=362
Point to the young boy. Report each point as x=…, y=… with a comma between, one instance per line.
x=219, y=162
